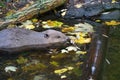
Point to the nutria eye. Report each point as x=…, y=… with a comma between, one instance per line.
x=58, y=36
x=46, y=35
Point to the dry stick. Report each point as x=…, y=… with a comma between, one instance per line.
x=40, y=6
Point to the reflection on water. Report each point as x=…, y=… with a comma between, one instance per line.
x=42, y=66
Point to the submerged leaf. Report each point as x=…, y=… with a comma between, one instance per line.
x=22, y=60
x=34, y=67
x=78, y=63
x=77, y=71
x=59, y=56
x=54, y=63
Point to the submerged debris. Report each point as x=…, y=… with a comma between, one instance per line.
x=40, y=77
x=10, y=69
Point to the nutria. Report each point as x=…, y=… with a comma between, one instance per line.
x=17, y=39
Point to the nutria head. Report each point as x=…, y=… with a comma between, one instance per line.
x=55, y=36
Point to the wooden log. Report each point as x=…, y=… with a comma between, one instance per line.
x=40, y=6
x=96, y=54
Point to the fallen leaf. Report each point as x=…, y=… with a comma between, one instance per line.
x=60, y=71
x=69, y=29
x=51, y=24
x=112, y=23
x=29, y=26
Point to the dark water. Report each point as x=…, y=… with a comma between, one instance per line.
x=112, y=70
x=37, y=65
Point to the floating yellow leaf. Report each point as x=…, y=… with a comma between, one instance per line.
x=69, y=29
x=29, y=26
x=87, y=40
x=70, y=68
x=81, y=52
x=80, y=38
x=63, y=70
x=98, y=21
x=60, y=71
x=81, y=34
x=34, y=20
x=51, y=24
x=63, y=76
x=112, y=23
